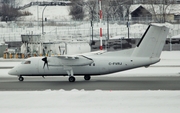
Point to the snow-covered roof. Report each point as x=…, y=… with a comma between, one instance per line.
x=171, y=9
x=175, y=9
x=177, y=36
x=168, y=25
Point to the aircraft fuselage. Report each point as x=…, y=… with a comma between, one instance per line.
x=100, y=66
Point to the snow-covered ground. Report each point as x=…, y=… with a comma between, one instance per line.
x=90, y=101
x=55, y=13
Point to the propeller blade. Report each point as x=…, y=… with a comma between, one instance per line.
x=44, y=59
x=45, y=62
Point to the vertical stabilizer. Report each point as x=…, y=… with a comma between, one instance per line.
x=152, y=42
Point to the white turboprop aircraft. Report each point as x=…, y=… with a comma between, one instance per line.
x=147, y=52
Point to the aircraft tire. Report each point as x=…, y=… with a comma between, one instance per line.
x=21, y=79
x=87, y=77
x=72, y=79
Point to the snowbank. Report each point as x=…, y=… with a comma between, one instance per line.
x=51, y=13
x=90, y=101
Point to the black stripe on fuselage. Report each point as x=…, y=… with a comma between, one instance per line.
x=62, y=75
x=143, y=35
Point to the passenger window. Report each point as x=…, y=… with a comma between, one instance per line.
x=26, y=62
x=23, y=62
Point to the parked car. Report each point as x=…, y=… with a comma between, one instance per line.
x=173, y=41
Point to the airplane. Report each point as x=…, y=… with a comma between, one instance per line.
x=146, y=53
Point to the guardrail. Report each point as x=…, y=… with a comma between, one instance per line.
x=44, y=4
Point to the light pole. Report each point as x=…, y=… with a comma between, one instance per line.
x=43, y=20
x=37, y=15
x=128, y=23
x=108, y=26
x=92, y=43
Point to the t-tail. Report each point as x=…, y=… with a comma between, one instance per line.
x=152, y=42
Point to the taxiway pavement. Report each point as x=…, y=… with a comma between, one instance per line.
x=96, y=83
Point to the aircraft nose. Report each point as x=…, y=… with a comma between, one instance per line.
x=13, y=72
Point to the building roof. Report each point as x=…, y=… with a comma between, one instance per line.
x=140, y=11
x=170, y=9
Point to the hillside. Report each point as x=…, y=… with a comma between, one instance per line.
x=55, y=13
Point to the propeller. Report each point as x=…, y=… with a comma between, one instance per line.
x=60, y=50
x=45, y=62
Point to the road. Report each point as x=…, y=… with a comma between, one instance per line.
x=96, y=83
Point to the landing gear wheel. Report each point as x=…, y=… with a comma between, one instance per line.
x=21, y=78
x=72, y=79
x=87, y=77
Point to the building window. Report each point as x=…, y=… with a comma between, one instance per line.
x=176, y=17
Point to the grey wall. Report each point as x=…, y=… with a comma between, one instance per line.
x=2, y=49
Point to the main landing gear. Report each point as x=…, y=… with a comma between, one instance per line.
x=21, y=78
x=70, y=73
x=87, y=77
x=73, y=79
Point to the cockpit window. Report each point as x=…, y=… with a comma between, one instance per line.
x=26, y=62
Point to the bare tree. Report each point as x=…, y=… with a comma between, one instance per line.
x=160, y=9
x=76, y=9
x=9, y=2
x=9, y=13
x=127, y=6
x=117, y=8
x=17, y=3
x=120, y=8
x=91, y=7
x=6, y=1
x=111, y=9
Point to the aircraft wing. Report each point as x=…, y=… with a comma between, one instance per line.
x=68, y=60
x=95, y=52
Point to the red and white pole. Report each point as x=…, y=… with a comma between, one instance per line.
x=100, y=14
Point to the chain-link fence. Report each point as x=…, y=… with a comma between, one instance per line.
x=12, y=31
